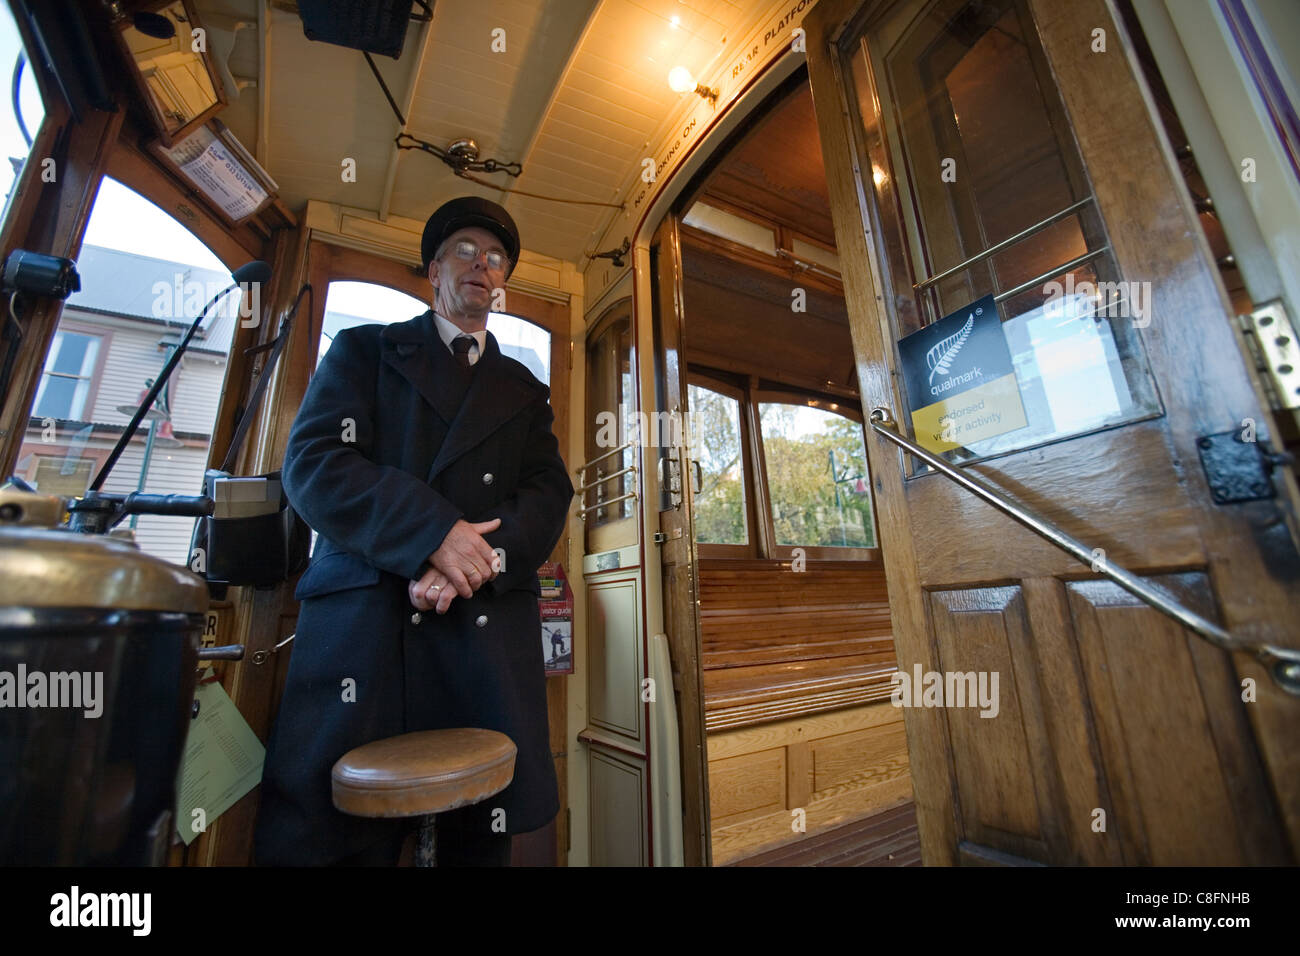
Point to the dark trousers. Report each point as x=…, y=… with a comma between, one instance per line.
x=457, y=844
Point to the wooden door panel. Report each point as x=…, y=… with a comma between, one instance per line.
x=1170, y=722
x=615, y=658
x=747, y=786
x=997, y=760
x=1090, y=489
x=1254, y=565
x=857, y=759
x=616, y=788
x=1163, y=746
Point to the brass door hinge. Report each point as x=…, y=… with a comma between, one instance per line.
x=1271, y=337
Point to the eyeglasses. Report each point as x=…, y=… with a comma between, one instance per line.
x=469, y=250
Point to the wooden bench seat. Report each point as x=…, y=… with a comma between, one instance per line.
x=741, y=696
x=778, y=643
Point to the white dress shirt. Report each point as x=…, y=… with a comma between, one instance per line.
x=448, y=331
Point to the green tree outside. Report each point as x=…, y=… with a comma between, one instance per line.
x=812, y=505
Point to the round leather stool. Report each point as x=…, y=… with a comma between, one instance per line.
x=423, y=774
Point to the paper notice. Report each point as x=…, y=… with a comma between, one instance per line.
x=212, y=166
x=223, y=761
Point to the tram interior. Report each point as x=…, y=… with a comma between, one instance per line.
x=807, y=757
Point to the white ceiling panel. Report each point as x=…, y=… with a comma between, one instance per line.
x=577, y=119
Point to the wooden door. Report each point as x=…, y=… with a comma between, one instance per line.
x=950, y=128
x=677, y=551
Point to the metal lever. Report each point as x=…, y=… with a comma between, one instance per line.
x=226, y=652
x=1283, y=663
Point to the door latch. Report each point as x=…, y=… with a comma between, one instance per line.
x=1238, y=470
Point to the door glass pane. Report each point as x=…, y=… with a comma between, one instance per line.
x=63, y=475
x=816, y=477
x=980, y=190
x=609, y=398
x=715, y=444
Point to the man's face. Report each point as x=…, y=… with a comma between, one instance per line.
x=464, y=286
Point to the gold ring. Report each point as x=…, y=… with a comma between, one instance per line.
x=435, y=588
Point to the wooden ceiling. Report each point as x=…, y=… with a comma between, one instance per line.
x=776, y=169
x=739, y=319
x=738, y=303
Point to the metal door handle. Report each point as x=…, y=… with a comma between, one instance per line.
x=1283, y=663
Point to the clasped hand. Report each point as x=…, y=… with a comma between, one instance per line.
x=463, y=563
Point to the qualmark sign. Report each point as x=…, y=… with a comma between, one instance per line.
x=961, y=384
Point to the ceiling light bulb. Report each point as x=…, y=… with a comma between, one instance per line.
x=680, y=80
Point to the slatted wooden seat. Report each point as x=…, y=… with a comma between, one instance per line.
x=796, y=679
x=778, y=643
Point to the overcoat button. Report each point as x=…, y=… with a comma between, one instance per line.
x=415, y=618
x=487, y=478
x=481, y=620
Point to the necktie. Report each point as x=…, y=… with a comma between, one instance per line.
x=460, y=346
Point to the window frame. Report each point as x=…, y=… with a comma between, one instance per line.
x=752, y=392
x=103, y=340
x=750, y=549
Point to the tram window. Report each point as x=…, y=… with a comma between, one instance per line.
x=817, y=479
x=524, y=342
x=349, y=304
x=144, y=278
x=728, y=225
x=17, y=130
x=970, y=148
x=716, y=445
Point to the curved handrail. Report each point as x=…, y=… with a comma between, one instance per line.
x=1283, y=663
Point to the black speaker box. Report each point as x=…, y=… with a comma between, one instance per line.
x=376, y=26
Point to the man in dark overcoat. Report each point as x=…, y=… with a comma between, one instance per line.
x=422, y=456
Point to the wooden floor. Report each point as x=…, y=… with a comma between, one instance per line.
x=886, y=839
